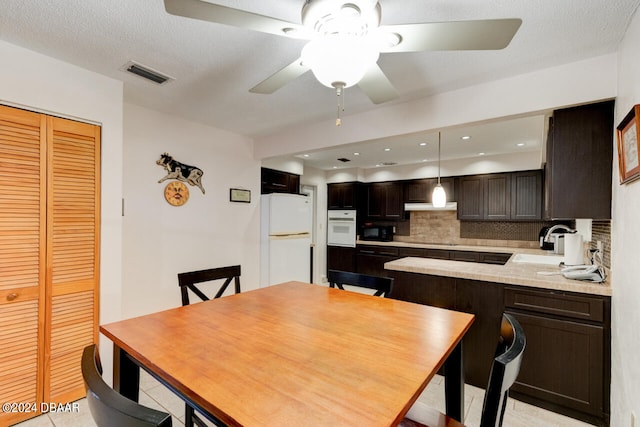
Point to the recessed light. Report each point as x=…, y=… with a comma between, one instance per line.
x=335, y=167
x=356, y=154
x=466, y=137
x=305, y=155
x=425, y=160
x=422, y=144
x=482, y=153
x=520, y=144
x=387, y=149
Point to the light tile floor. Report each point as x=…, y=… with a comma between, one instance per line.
x=155, y=395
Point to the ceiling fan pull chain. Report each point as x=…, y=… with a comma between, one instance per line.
x=340, y=95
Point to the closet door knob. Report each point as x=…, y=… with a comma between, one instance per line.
x=12, y=296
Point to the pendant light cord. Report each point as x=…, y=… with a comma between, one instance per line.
x=438, y=157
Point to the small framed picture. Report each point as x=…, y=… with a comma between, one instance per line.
x=239, y=195
x=629, y=146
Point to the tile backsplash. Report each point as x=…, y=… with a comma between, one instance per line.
x=601, y=231
x=445, y=228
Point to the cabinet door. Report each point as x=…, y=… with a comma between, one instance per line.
x=563, y=363
x=341, y=195
x=526, y=195
x=371, y=259
x=341, y=258
x=420, y=190
x=22, y=258
x=274, y=181
x=497, y=196
x=471, y=198
x=376, y=198
x=485, y=300
x=580, y=185
x=436, y=291
x=73, y=242
x=384, y=200
x=393, y=201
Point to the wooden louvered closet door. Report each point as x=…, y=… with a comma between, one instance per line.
x=22, y=258
x=73, y=224
x=49, y=259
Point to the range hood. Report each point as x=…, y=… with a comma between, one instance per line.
x=450, y=206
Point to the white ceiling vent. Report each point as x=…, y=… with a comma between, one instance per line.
x=146, y=73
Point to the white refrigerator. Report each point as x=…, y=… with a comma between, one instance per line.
x=285, y=238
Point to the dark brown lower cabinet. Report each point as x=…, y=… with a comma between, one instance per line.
x=567, y=361
x=566, y=364
x=483, y=299
x=371, y=259
x=341, y=258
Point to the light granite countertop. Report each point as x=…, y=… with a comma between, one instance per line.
x=512, y=273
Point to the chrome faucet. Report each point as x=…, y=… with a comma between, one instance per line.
x=547, y=237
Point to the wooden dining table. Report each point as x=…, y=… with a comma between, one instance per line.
x=295, y=354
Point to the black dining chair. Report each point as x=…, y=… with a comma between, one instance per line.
x=382, y=285
x=504, y=372
x=108, y=407
x=187, y=281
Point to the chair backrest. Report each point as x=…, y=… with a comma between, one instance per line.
x=108, y=407
x=188, y=281
x=504, y=371
x=382, y=285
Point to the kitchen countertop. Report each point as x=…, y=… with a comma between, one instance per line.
x=523, y=274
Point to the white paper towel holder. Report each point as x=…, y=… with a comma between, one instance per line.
x=573, y=249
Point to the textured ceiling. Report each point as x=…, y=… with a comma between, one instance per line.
x=215, y=65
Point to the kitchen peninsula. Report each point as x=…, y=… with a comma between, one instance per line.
x=566, y=366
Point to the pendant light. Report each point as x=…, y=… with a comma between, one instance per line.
x=439, y=197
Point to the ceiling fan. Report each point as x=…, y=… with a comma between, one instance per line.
x=346, y=39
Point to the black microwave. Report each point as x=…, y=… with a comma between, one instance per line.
x=379, y=233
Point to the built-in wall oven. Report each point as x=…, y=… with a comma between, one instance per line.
x=341, y=228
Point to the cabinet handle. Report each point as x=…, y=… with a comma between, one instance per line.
x=367, y=252
x=12, y=296
x=275, y=184
x=388, y=253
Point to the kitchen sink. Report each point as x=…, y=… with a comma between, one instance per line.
x=538, y=259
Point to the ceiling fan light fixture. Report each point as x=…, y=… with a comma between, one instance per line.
x=339, y=59
x=355, y=17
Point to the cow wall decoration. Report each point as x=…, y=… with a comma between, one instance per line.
x=180, y=171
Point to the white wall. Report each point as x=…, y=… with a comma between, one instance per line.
x=286, y=164
x=625, y=249
x=37, y=82
x=538, y=91
x=160, y=240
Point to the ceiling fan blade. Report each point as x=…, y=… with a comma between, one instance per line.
x=210, y=12
x=377, y=86
x=488, y=34
x=280, y=78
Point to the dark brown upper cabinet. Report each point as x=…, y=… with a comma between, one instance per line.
x=420, y=190
x=579, y=162
x=471, y=198
x=514, y=196
x=275, y=181
x=526, y=195
x=385, y=201
x=343, y=195
x=497, y=197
